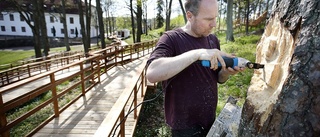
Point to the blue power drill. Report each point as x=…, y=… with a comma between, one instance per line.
x=233, y=62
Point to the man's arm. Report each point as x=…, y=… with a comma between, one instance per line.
x=166, y=67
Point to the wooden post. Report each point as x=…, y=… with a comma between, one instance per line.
x=135, y=92
x=54, y=95
x=82, y=79
x=122, y=126
x=98, y=70
x=143, y=82
x=122, y=50
x=115, y=55
x=131, y=47
x=3, y=119
x=143, y=44
x=29, y=70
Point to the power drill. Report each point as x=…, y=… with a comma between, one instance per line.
x=233, y=62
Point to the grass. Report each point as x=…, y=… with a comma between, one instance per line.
x=34, y=120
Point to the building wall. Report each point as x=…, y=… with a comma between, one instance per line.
x=16, y=27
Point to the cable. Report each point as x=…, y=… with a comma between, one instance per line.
x=125, y=117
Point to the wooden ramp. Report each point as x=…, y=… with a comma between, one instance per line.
x=84, y=117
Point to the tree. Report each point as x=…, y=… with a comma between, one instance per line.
x=183, y=11
x=247, y=16
x=109, y=17
x=85, y=28
x=230, y=21
x=30, y=12
x=159, y=17
x=283, y=99
x=168, y=14
x=132, y=22
x=101, y=25
x=139, y=20
x=65, y=27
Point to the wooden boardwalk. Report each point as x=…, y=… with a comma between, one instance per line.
x=83, y=118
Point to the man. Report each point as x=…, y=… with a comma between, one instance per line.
x=190, y=89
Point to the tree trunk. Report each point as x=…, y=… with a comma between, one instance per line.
x=101, y=26
x=83, y=29
x=43, y=28
x=139, y=20
x=247, y=16
x=65, y=27
x=229, y=21
x=168, y=14
x=283, y=99
x=132, y=23
x=88, y=22
x=183, y=11
x=36, y=30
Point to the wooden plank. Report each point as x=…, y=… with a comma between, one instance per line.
x=227, y=122
x=90, y=110
x=112, y=117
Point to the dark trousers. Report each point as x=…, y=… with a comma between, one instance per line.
x=196, y=131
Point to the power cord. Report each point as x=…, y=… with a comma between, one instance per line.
x=125, y=117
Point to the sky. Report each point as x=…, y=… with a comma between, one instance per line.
x=122, y=10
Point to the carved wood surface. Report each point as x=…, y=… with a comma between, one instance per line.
x=283, y=99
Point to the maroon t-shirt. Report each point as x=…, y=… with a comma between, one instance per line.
x=191, y=95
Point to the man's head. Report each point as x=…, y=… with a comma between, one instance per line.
x=201, y=15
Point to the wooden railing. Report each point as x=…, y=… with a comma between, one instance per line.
x=85, y=76
x=34, y=68
x=88, y=71
x=114, y=122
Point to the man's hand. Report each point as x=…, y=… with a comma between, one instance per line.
x=225, y=73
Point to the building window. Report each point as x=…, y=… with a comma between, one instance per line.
x=21, y=18
x=72, y=31
x=11, y=17
x=3, y=28
x=51, y=19
x=62, y=31
x=1, y=16
x=71, y=20
x=13, y=28
x=23, y=29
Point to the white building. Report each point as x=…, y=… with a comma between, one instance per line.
x=11, y=24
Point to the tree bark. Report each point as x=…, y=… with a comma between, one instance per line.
x=65, y=27
x=132, y=22
x=168, y=15
x=283, y=99
x=247, y=16
x=139, y=20
x=83, y=29
x=101, y=26
x=36, y=30
x=183, y=11
x=230, y=21
x=88, y=22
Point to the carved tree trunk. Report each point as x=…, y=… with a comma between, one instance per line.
x=284, y=98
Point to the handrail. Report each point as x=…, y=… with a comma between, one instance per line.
x=52, y=85
x=18, y=73
x=117, y=112
x=88, y=71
